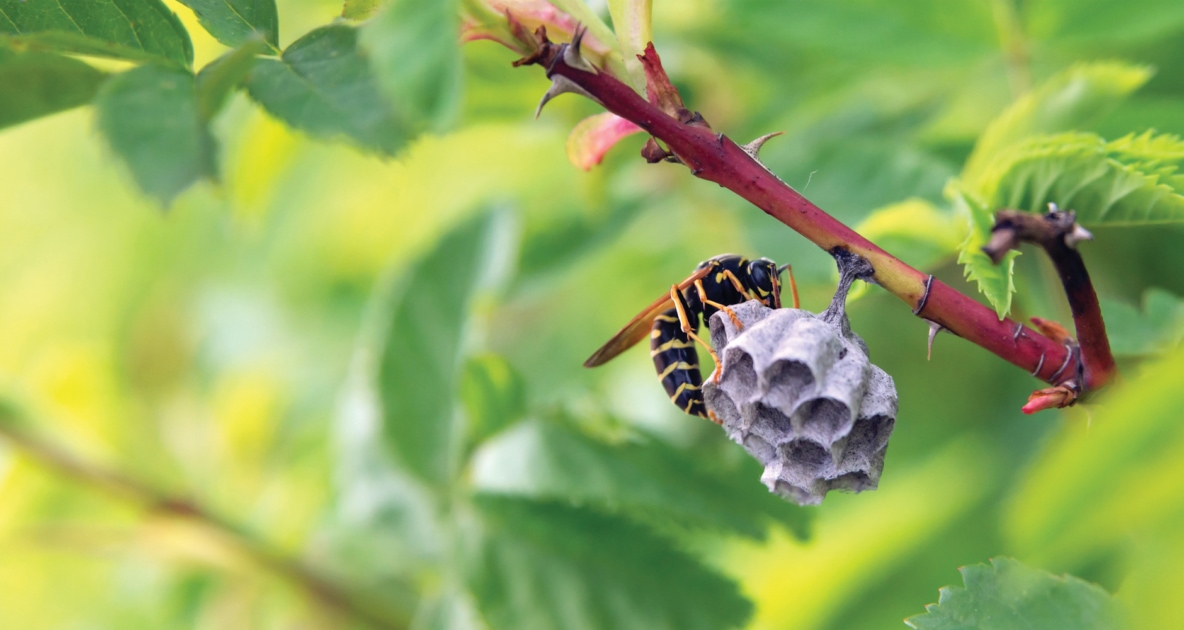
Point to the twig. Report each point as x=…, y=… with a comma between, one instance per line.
x=319, y=587
x=716, y=158
x=1058, y=234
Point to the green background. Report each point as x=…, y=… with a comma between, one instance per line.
x=249, y=347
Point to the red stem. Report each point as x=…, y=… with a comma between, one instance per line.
x=718, y=159
x=1051, y=231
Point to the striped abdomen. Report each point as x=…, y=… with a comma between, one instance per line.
x=677, y=364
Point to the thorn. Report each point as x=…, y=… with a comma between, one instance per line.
x=934, y=328
x=1076, y=235
x=571, y=52
x=753, y=148
x=561, y=85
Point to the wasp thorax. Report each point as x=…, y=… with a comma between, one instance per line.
x=799, y=394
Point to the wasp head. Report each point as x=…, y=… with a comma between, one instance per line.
x=766, y=280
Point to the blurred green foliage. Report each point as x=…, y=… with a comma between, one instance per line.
x=368, y=367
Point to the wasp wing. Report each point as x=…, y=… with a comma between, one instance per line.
x=638, y=328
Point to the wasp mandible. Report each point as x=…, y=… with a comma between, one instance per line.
x=673, y=321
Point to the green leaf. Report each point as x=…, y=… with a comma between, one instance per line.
x=494, y=396
x=130, y=29
x=222, y=76
x=996, y=282
x=38, y=84
x=1131, y=181
x=1154, y=330
x=647, y=480
x=359, y=9
x=914, y=230
x=416, y=54
x=633, y=22
x=420, y=365
x=549, y=565
x=150, y=117
x=324, y=86
x=1068, y=100
x=1105, y=483
x=1008, y=595
x=233, y=22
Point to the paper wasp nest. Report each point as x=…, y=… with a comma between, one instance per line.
x=800, y=395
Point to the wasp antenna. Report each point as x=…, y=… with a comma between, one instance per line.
x=793, y=284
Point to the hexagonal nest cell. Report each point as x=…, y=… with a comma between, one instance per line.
x=800, y=395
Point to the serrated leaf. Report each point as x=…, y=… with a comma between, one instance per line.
x=494, y=396
x=1008, y=595
x=150, y=117
x=1103, y=483
x=550, y=565
x=359, y=9
x=915, y=230
x=547, y=460
x=233, y=22
x=1154, y=329
x=130, y=29
x=1131, y=181
x=633, y=23
x=38, y=84
x=415, y=52
x=420, y=365
x=594, y=136
x=324, y=85
x=996, y=282
x=1068, y=100
x=222, y=76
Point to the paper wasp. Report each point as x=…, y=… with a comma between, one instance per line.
x=672, y=321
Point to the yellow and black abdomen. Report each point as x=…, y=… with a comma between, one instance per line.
x=677, y=363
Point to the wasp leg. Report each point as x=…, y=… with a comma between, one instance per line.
x=739, y=285
x=793, y=286
x=706, y=302
x=685, y=322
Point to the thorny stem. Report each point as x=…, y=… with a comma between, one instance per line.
x=1058, y=233
x=716, y=158
x=320, y=588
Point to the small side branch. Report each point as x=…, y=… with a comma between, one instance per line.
x=317, y=586
x=1058, y=234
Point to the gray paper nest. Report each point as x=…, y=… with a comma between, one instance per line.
x=800, y=395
